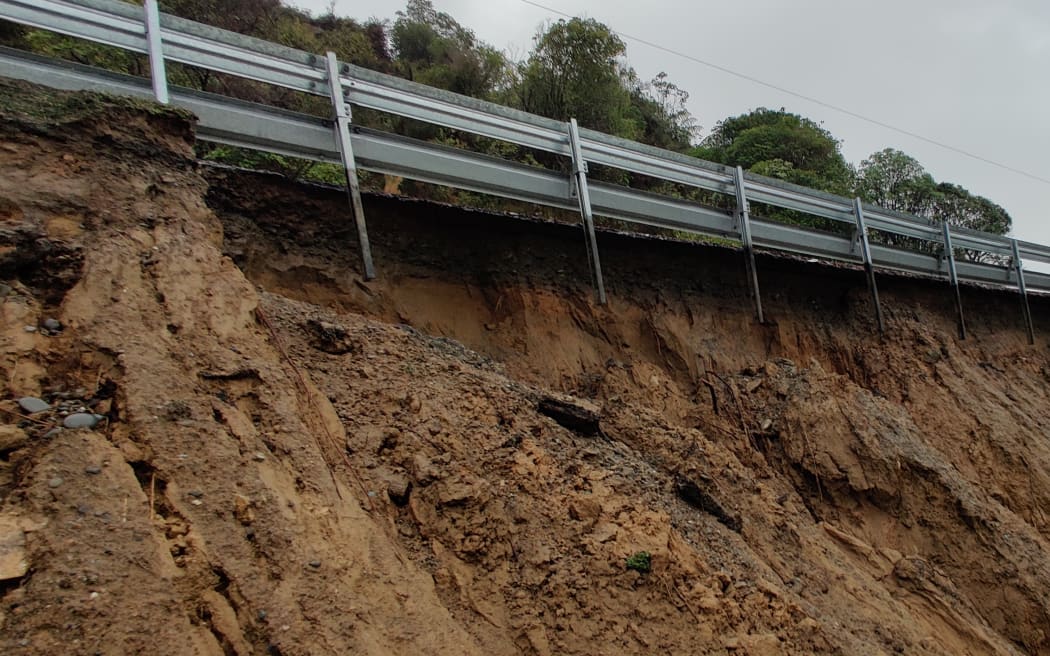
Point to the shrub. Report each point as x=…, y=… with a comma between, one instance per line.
x=641, y=562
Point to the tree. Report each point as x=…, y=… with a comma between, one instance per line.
x=252, y=17
x=659, y=113
x=574, y=72
x=434, y=49
x=896, y=181
x=363, y=45
x=779, y=144
x=957, y=206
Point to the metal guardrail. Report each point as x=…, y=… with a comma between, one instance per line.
x=168, y=38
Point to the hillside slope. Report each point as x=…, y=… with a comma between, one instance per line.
x=292, y=461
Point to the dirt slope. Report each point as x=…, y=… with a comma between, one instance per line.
x=293, y=461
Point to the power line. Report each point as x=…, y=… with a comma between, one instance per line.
x=802, y=96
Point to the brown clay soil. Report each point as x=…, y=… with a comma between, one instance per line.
x=295, y=461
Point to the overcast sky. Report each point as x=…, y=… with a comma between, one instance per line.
x=968, y=73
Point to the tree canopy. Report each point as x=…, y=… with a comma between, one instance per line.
x=779, y=144
x=574, y=71
x=577, y=69
x=790, y=147
x=434, y=49
x=897, y=181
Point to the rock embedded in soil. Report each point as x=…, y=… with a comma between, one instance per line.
x=697, y=496
x=81, y=420
x=32, y=405
x=398, y=488
x=575, y=416
x=52, y=324
x=331, y=338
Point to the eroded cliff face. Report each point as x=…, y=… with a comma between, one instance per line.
x=294, y=461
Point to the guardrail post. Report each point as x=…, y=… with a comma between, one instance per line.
x=346, y=151
x=157, y=71
x=953, y=277
x=1019, y=269
x=743, y=215
x=579, y=171
x=869, y=268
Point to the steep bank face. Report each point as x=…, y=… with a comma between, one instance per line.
x=201, y=516
x=913, y=444
x=297, y=462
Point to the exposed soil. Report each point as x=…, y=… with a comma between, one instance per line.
x=465, y=455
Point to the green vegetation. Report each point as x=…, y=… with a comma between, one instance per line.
x=897, y=181
x=432, y=48
x=785, y=146
x=789, y=147
x=574, y=71
x=778, y=144
x=24, y=103
x=641, y=562
x=576, y=68
x=291, y=167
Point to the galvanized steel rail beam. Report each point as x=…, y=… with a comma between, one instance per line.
x=615, y=152
x=221, y=51
x=112, y=23
x=783, y=195
x=1036, y=252
x=885, y=221
x=120, y=24
x=404, y=98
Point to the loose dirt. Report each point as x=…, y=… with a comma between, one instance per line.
x=291, y=460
